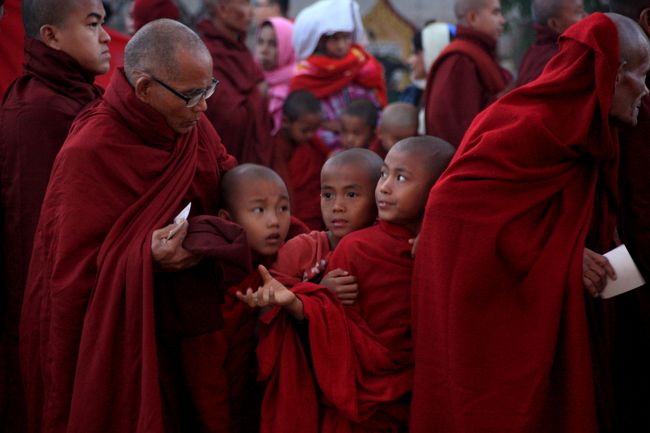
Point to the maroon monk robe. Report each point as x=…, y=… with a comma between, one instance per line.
x=12, y=33
x=35, y=117
x=300, y=166
x=463, y=80
x=538, y=54
x=238, y=110
x=632, y=310
x=89, y=351
x=361, y=355
x=501, y=334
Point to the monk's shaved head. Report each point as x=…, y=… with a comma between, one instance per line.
x=242, y=175
x=400, y=115
x=462, y=7
x=154, y=49
x=629, y=8
x=633, y=42
x=432, y=152
x=37, y=13
x=363, y=159
x=543, y=10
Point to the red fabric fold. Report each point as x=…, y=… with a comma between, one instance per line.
x=501, y=334
x=324, y=76
x=88, y=332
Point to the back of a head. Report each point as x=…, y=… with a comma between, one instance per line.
x=37, y=13
x=359, y=158
x=245, y=174
x=401, y=116
x=543, y=10
x=433, y=152
x=633, y=42
x=629, y=8
x=363, y=109
x=154, y=48
x=300, y=102
x=463, y=7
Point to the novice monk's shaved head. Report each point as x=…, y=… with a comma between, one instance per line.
x=635, y=63
x=399, y=120
x=558, y=15
x=246, y=174
x=37, y=13
x=432, y=152
x=364, y=160
x=155, y=49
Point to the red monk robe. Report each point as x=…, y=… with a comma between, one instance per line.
x=631, y=376
x=12, y=33
x=464, y=79
x=361, y=355
x=377, y=147
x=145, y=11
x=300, y=167
x=303, y=258
x=238, y=110
x=35, y=117
x=538, y=54
x=501, y=334
x=89, y=353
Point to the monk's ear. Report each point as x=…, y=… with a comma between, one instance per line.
x=644, y=20
x=224, y=214
x=50, y=36
x=470, y=18
x=286, y=123
x=553, y=24
x=143, y=86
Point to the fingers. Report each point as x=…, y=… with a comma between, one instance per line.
x=338, y=272
x=265, y=274
x=178, y=232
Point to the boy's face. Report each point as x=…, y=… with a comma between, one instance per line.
x=266, y=48
x=402, y=189
x=338, y=44
x=354, y=132
x=303, y=129
x=388, y=136
x=263, y=211
x=347, y=200
x=83, y=37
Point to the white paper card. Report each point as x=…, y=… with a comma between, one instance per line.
x=182, y=216
x=628, y=276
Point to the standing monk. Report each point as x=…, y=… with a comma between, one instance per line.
x=65, y=48
x=91, y=350
x=631, y=346
x=501, y=335
x=466, y=78
x=552, y=17
x=239, y=111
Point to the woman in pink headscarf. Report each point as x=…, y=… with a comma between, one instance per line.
x=274, y=52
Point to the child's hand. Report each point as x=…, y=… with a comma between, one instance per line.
x=271, y=293
x=343, y=285
x=414, y=245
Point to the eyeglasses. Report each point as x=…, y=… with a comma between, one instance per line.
x=193, y=99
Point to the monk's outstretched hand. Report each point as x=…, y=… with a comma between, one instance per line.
x=272, y=292
x=595, y=270
x=342, y=284
x=167, y=248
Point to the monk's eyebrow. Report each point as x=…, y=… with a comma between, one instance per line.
x=94, y=15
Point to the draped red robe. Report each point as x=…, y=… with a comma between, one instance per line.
x=35, y=117
x=463, y=80
x=538, y=54
x=501, y=335
x=300, y=165
x=238, y=110
x=11, y=44
x=360, y=355
x=89, y=352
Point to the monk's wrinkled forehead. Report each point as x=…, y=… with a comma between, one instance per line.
x=37, y=13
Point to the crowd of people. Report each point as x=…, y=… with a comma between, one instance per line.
x=232, y=239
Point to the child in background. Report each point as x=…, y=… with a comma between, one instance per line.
x=274, y=53
x=347, y=202
x=361, y=355
x=358, y=124
x=332, y=64
x=398, y=121
x=299, y=155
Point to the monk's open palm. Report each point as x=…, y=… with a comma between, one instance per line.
x=271, y=293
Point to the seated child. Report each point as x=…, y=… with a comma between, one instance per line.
x=256, y=198
x=332, y=64
x=299, y=155
x=362, y=354
x=398, y=121
x=348, y=181
x=358, y=124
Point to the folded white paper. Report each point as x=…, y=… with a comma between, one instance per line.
x=182, y=216
x=628, y=276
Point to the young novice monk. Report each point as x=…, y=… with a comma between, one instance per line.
x=299, y=155
x=256, y=198
x=348, y=181
x=398, y=121
x=358, y=124
x=362, y=354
